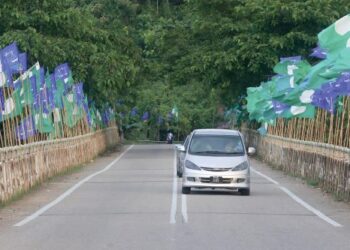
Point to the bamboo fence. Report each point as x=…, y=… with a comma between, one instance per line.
x=324, y=128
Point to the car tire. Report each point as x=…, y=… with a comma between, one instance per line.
x=186, y=190
x=245, y=191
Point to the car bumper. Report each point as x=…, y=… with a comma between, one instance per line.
x=206, y=179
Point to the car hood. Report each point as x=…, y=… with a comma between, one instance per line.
x=216, y=161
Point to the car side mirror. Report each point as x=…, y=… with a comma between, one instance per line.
x=251, y=151
x=180, y=148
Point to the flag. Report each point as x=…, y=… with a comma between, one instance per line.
x=43, y=122
x=175, y=113
x=23, y=65
x=73, y=113
x=28, y=84
x=26, y=128
x=145, y=116
x=11, y=107
x=133, y=112
x=5, y=75
x=336, y=37
x=10, y=58
x=319, y=53
x=79, y=93
x=294, y=68
x=62, y=72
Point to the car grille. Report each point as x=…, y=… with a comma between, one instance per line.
x=216, y=169
x=220, y=181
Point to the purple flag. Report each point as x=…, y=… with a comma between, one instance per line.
x=42, y=77
x=79, y=93
x=2, y=100
x=326, y=96
x=10, y=57
x=134, y=111
x=26, y=128
x=318, y=52
x=62, y=72
x=23, y=66
x=145, y=116
x=342, y=84
x=105, y=117
x=321, y=100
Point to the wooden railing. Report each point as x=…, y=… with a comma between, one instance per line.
x=22, y=167
x=325, y=165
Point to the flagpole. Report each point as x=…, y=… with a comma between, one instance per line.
x=10, y=122
x=347, y=133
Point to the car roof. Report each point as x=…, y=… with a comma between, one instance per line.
x=216, y=132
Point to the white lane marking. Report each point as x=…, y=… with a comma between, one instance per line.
x=68, y=192
x=310, y=208
x=184, y=208
x=300, y=201
x=265, y=176
x=174, y=197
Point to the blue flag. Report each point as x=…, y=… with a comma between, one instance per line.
x=10, y=57
x=62, y=72
x=26, y=128
x=145, y=116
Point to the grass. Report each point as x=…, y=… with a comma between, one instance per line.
x=313, y=183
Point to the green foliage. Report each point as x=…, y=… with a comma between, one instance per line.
x=154, y=54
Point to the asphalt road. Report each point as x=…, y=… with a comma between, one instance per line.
x=133, y=201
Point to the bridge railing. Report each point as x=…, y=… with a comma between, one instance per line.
x=324, y=165
x=22, y=167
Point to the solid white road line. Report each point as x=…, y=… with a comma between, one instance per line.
x=300, y=201
x=174, y=197
x=69, y=192
x=184, y=208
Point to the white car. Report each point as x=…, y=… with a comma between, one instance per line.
x=216, y=158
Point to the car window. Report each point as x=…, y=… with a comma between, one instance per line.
x=216, y=145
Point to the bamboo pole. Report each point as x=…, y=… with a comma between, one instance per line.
x=330, y=133
x=340, y=136
x=347, y=132
x=324, y=125
x=10, y=122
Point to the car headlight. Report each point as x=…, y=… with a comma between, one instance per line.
x=243, y=166
x=191, y=165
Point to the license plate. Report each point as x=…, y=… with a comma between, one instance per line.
x=216, y=179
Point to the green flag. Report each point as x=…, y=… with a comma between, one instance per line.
x=336, y=37
x=43, y=122
x=12, y=106
x=29, y=83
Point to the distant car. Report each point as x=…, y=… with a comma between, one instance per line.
x=180, y=157
x=216, y=158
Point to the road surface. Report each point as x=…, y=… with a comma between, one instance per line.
x=132, y=200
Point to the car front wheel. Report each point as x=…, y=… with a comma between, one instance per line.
x=186, y=190
x=245, y=191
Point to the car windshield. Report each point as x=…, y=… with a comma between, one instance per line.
x=216, y=145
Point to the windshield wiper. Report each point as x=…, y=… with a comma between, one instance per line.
x=211, y=152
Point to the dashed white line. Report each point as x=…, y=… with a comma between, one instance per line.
x=68, y=192
x=174, y=196
x=184, y=208
x=300, y=201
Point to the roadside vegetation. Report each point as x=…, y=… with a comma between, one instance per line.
x=199, y=56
